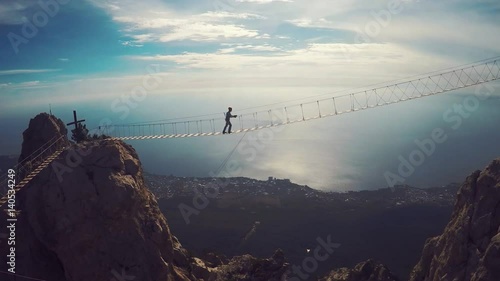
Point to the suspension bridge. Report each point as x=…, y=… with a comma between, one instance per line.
x=32, y=165
x=421, y=86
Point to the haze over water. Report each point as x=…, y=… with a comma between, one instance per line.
x=345, y=152
x=206, y=55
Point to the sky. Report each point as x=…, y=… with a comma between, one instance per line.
x=91, y=55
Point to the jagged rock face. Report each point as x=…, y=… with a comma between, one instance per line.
x=41, y=129
x=91, y=215
x=248, y=268
x=469, y=248
x=364, y=271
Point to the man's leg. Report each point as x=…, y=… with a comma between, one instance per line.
x=230, y=126
x=225, y=127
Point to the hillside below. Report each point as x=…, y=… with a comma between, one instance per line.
x=257, y=217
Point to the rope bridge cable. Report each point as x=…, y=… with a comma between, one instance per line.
x=423, y=86
x=224, y=163
x=320, y=95
x=33, y=164
x=21, y=166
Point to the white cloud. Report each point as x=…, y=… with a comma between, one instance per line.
x=328, y=62
x=447, y=30
x=263, y=1
x=199, y=32
x=24, y=85
x=131, y=44
x=313, y=54
x=417, y=23
x=227, y=15
x=25, y=71
x=254, y=50
x=226, y=50
x=168, y=26
x=261, y=48
x=430, y=31
x=29, y=84
x=312, y=23
x=207, y=32
x=12, y=12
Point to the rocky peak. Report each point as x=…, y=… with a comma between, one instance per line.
x=43, y=128
x=469, y=248
x=249, y=268
x=369, y=270
x=89, y=216
x=95, y=220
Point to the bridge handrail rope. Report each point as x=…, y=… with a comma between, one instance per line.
x=46, y=147
x=413, y=77
x=48, y=143
x=422, y=86
x=30, y=157
x=39, y=153
x=33, y=161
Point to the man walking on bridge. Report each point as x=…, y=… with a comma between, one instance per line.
x=228, y=120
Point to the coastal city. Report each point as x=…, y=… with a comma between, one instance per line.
x=275, y=192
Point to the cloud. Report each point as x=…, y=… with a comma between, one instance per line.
x=166, y=25
x=416, y=23
x=207, y=32
x=446, y=30
x=314, y=54
x=36, y=84
x=29, y=84
x=263, y=1
x=157, y=20
x=423, y=25
x=198, y=32
x=25, y=71
x=317, y=64
x=258, y=48
x=131, y=44
x=25, y=86
x=294, y=42
x=12, y=12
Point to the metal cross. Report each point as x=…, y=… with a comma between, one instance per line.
x=76, y=121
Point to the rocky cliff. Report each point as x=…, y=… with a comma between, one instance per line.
x=43, y=128
x=364, y=271
x=93, y=214
x=469, y=248
x=89, y=216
